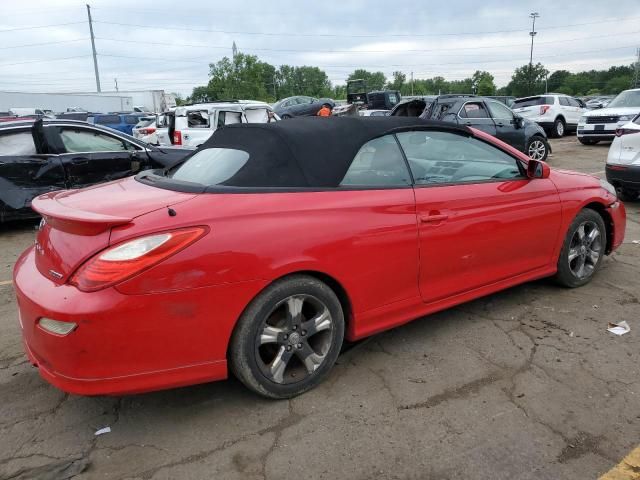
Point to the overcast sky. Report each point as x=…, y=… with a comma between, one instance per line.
x=168, y=44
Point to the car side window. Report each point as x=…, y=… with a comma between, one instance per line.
x=500, y=111
x=573, y=102
x=449, y=158
x=197, y=119
x=564, y=101
x=19, y=143
x=378, y=163
x=473, y=110
x=76, y=140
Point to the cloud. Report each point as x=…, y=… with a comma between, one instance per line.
x=172, y=44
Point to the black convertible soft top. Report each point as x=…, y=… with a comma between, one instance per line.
x=307, y=151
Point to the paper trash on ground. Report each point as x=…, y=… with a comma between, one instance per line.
x=103, y=431
x=619, y=328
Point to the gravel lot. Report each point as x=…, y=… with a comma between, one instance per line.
x=524, y=384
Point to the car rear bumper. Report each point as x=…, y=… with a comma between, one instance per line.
x=127, y=343
x=625, y=176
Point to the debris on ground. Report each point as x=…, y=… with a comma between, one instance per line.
x=102, y=431
x=619, y=328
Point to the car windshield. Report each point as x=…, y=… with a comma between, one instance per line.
x=630, y=98
x=211, y=166
x=532, y=102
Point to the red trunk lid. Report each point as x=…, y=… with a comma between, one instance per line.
x=77, y=223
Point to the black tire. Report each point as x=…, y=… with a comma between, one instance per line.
x=587, y=141
x=559, y=128
x=534, y=146
x=568, y=273
x=266, y=336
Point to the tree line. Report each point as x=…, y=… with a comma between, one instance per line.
x=247, y=77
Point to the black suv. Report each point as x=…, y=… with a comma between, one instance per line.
x=486, y=114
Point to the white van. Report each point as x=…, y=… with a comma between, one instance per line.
x=192, y=125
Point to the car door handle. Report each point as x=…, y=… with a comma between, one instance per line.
x=433, y=218
x=80, y=161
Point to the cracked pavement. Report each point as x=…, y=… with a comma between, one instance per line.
x=523, y=384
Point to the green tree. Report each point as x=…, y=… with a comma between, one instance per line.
x=374, y=80
x=398, y=82
x=618, y=84
x=528, y=81
x=243, y=77
x=483, y=83
x=304, y=80
x=557, y=79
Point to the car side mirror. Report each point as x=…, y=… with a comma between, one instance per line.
x=518, y=121
x=537, y=169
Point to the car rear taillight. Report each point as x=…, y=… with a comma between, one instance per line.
x=177, y=137
x=123, y=261
x=147, y=131
x=544, y=109
x=625, y=131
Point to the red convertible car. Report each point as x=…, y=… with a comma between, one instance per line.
x=271, y=244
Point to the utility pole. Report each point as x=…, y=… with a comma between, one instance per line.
x=636, y=78
x=115, y=80
x=533, y=33
x=411, y=83
x=93, y=47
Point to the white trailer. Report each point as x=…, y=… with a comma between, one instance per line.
x=155, y=101
x=59, y=102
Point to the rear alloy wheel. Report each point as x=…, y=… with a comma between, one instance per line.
x=583, y=249
x=537, y=149
x=558, y=128
x=288, y=338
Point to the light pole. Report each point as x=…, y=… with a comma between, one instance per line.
x=533, y=33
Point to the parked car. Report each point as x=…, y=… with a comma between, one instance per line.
x=374, y=113
x=42, y=156
x=623, y=160
x=257, y=253
x=122, y=122
x=192, y=125
x=555, y=112
x=599, y=102
x=30, y=112
x=145, y=130
x=486, y=114
x=412, y=106
x=601, y=125
x=507, y=100
x=300, y=106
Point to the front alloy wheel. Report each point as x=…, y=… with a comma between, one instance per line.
x=583, y=249
x=537, y=149
x=288, y=338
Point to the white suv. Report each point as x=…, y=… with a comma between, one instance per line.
x=600, y=125
x=555, y=112
x=192, y=125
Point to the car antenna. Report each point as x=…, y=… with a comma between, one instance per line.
x=171, y=212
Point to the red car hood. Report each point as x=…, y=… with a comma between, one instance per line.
x=77, y=223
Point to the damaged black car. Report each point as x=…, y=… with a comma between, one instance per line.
x=41, y=156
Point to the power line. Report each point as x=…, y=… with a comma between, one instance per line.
x=43, y=43
x=40, y=26
x=287, y=50
x=201, y=60
x=42, y=61
x=401, y=35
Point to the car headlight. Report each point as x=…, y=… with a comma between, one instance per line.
x=608, y=187
x=625, y=118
